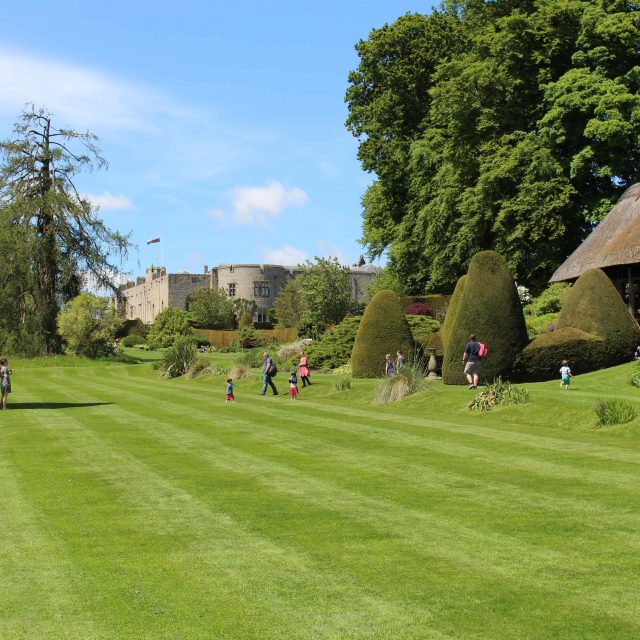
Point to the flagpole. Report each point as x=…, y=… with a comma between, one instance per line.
x=162, y=252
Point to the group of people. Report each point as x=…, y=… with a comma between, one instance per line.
x=390, y=367
x=472, y=357
x=269, y=370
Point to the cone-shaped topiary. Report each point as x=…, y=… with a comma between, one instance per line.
x=594, y=306
x=383, y=329
x=489, y=307
x=452, y=309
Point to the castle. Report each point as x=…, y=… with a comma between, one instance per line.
x=150, y=294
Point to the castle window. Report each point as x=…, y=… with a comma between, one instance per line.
x=261, y=289
x=232, y=290
x=261, y=315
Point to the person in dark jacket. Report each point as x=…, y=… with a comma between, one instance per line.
x=471, y=361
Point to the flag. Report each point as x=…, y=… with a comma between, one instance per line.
x=154, y=240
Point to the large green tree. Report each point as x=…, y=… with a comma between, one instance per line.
x=211, y=309
x=55, y=229
x=88, y=326
x=326, y=286
x=290, y=306
x=525, y=132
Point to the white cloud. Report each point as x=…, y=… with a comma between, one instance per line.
x=107, y=201
x=284, y=255
x=218, y=214
x=83, y=96
x=257, y=205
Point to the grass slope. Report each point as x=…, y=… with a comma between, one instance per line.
x=142, y=508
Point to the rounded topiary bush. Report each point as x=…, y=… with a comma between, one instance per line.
x=489, y=306
x=541, y=360
x=383, y=329
x=454, y=303
x=594, y=306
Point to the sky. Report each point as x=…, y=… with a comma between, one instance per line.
x=222, y=123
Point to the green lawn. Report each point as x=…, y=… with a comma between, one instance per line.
x=134, y=507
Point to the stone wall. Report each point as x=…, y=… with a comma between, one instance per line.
x=149, y=295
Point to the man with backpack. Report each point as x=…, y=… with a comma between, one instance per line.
x=268, y=370
x=473, y=354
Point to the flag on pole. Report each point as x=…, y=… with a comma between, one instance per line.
x=154, y=240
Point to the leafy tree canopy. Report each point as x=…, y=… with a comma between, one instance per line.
x=326, y=286
x=211, y=308
x=290, y=307
x=169, y=325
x=88, y=326
x=56, y=234
x=506, y=125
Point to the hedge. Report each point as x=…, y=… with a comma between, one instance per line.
x=594, y=306
x=422, y=327
x=383, y=329
x=454, y=303
x=333, y=350
x=489, y=306
x=542, y=359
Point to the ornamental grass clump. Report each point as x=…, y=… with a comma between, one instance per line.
x=499, y=393
x=178, y=358
x=612, y=412
x=342, y=384
x=409, y=380
x=635, y=376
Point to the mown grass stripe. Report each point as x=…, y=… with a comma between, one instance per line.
x=426, y=439
x=147, y=492
x=284, y=479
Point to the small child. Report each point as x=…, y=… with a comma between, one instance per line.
x=230, y=396
x=293, y=386
x=565, y=375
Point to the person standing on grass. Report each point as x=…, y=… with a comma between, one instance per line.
x=267, y=372
x=303, y=367
x=471, y=361
x=293, y=386
x=5, y=382
x=230, y=396
x=388, y=366
x=399, y=360
x=565, y=375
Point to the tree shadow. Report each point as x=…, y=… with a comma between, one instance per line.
x=11, y=406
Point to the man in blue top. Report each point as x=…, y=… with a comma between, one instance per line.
x=471, y=361
x=266, y=371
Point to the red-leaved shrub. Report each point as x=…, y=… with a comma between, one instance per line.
x=419, y=309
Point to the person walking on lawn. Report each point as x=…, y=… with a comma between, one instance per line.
x=303, y=367
x=268, y=369
x=471, y=361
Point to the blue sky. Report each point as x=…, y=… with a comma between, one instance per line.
x=223, y=123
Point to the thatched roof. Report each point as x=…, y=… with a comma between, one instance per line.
x=615, y=241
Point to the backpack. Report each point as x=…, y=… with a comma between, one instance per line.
x=273, y=370
x=483, y=350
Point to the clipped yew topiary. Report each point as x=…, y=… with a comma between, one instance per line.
x=383, y=329
x=454, y=303
x=489, y=306
x=541, y=360
x=594, y=306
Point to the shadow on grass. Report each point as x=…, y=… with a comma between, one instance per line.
x=53, y=405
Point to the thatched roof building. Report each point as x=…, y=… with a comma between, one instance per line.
x=613, y=246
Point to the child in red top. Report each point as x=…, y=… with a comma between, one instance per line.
x=293, y=385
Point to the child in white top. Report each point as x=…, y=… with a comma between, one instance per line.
x=565, y=375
